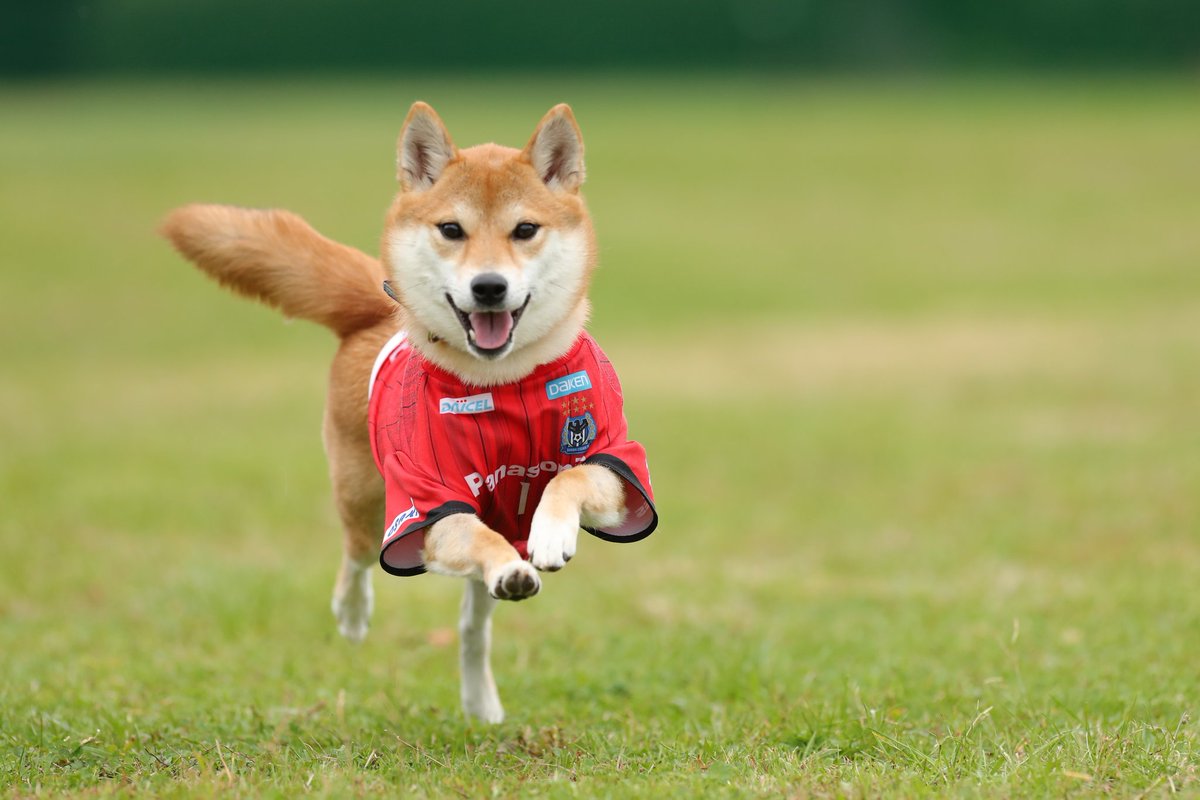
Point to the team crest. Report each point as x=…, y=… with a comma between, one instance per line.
x=579, y=428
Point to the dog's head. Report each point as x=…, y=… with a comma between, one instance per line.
x=490, y=249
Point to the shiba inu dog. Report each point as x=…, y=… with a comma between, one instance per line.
x=471, y=422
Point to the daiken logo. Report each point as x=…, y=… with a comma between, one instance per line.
x=575, y=382
x=475, y=404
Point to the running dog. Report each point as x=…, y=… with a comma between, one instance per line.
x=471, y=421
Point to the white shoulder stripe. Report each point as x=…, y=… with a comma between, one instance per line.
x=392, y=345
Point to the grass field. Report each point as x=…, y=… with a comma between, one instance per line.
x=918, y=369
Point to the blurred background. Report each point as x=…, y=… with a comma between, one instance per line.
x=71, y=37
x=905, y=297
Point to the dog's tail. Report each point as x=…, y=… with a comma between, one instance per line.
x=276, y=257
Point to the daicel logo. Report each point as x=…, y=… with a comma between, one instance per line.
x=575, y=382
x=475, y=404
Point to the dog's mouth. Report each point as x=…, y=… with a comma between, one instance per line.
x=489, y=332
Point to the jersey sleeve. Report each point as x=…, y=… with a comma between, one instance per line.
x=627, y=458
x=415, y=500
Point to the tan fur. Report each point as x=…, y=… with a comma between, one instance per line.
x=276, y=257
x=588, y=489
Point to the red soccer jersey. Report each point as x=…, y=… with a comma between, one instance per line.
x=445, y=447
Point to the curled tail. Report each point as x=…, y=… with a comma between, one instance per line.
x=276, y=257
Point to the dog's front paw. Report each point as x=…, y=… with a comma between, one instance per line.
x=515, y=580
x=552, y=541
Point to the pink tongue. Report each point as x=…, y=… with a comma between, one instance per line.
x=491, y=328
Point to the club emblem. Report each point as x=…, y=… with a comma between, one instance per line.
x=579, y=427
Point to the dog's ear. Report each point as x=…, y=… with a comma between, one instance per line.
x=424, y=149
x=556, y=150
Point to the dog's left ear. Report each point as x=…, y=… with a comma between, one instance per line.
x=556, y=150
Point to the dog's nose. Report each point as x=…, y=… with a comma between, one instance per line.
x=489, y=289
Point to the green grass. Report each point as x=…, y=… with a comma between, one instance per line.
x=918, y=369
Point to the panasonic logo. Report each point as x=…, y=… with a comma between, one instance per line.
x=477, y=481
x=475, y=404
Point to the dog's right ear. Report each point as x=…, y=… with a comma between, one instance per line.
x=424, y=149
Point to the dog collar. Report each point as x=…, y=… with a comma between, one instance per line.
x=390, y=292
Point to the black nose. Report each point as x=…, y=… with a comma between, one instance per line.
x=489, y=289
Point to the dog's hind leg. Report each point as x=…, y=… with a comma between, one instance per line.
x=359, y=497
x=353, y=597
x=357, y=485
x=479, y=696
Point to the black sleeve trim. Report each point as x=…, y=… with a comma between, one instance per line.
x=622, y=469
x=436, y=515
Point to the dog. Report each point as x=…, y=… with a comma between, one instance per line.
x=471, y=421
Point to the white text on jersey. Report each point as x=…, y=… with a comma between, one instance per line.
x=477, y=481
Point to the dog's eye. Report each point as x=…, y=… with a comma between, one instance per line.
x=525, y=230
x=451, y=230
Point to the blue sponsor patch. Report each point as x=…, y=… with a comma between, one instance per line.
x=575, y=382
x=401, y=518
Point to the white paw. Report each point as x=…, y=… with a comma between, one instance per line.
x=552, y=541
x=483, y=704
x=352, y=604
x=516, y=580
